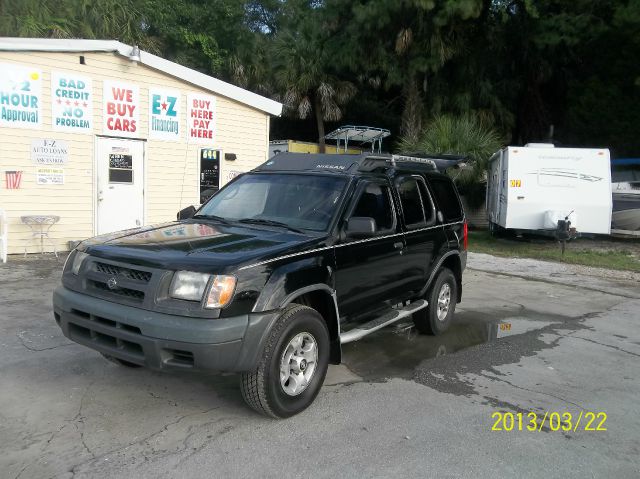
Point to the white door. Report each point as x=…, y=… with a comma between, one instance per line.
x=120, y=175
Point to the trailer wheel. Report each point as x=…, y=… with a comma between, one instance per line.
x=442, y=296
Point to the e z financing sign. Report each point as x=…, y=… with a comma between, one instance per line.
x=121, y=112
x=164, y=114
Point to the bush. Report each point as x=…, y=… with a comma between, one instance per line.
x=464, y=135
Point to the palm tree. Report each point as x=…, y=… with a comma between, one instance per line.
x=465, y=135
x=302, y=76
x=101, y=19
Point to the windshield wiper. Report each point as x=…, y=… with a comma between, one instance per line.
x=213, y=217
x=262, y=221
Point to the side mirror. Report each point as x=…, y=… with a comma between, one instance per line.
x=186, y=213
x=361, y=227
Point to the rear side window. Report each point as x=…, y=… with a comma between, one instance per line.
x=417, y=208
x=447, y=199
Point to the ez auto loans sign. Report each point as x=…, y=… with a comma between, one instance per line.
x=20, y=96
x=71, y=102
x=121, y=109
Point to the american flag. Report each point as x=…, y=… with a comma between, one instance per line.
x=13, y=179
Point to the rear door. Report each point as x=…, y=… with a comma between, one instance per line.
x=447, y=202
x=423, y=237
x=370, y=271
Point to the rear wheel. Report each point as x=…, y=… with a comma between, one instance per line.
x=442, y=296
x=293, y=366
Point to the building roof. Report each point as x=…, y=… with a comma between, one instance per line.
x=181, y=72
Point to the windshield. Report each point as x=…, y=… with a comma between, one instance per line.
x=297, y=201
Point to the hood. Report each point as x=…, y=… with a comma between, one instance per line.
x=197, y=245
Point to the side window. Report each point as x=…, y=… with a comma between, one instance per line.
x=412, y=204
x=375, y=202
x=447, y=199
x=427, y=202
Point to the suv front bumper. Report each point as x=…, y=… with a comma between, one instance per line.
x=162, y=341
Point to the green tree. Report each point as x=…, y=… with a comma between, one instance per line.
x=465, y=135
x=301, y=62
x=403, y=43
x=99, y=19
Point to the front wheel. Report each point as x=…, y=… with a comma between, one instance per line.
x=442, y=297
x=293, y=366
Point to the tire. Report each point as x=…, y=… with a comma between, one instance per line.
x=120, y=362
x=268, y=389
x=433, y=319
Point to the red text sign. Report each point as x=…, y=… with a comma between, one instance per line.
x=201, y=117
x=121, y=112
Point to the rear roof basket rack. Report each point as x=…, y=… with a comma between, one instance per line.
x=384, y=162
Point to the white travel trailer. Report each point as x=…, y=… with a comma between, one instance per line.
x=530, y=188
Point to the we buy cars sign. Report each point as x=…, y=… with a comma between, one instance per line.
x=201, y=118
x=121, y=109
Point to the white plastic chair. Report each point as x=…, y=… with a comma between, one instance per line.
x=4, y=236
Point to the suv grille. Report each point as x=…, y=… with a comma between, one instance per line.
x=113, y=270
x=126, y=292
x=119, y=282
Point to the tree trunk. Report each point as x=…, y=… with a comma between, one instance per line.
x=412, y=111
x=317, y=108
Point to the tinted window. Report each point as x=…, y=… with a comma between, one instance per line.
x=427, y=202
x=375, y=202
x=412, y=206
x=447, y=199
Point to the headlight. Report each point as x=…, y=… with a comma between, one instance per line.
x=220, y=292
x=188, y=286
x=77, y=262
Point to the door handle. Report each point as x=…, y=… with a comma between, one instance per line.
x=398, y=245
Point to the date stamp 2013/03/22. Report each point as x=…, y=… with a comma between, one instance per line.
x=554, y=421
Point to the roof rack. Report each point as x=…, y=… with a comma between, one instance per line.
x=372, y=163
x=360, y=134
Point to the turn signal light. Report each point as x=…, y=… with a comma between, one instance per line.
x=220, y=291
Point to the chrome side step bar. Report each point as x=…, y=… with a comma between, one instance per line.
x=380, y=322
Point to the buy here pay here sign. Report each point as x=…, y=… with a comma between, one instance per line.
x=201, y=118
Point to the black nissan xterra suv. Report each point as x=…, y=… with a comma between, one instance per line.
x=276, y=272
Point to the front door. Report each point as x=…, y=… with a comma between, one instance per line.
x=370, y=271
x=120, y=177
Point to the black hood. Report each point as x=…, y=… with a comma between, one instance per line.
x=197, y=245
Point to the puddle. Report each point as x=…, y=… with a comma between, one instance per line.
x=397, y=350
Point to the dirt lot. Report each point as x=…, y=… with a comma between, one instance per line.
x=530, y=336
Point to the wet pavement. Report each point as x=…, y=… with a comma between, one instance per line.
x=529, y=336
